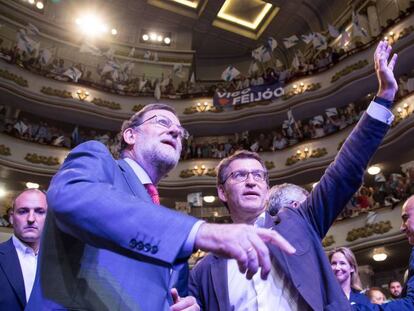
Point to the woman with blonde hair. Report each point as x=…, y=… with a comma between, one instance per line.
x=345, y=268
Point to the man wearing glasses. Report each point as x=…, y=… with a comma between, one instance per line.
x=109, y=245
x=304, y=280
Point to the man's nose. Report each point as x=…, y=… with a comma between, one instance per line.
x=31, y=217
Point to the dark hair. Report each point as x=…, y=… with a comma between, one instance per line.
x=137, y=119
x=393, y=281
x=221, y=168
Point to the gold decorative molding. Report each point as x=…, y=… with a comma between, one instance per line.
x=301, y=89
x=39, y=159
x=106, y=104
x=4, y=150
x=269, y=165
x=316, y=153
x=54, y=92
x=13, y=77
x=193, y=109
x=364, y=232
x=202, y=171
x=137, y=108
x=348, y=69
x=328, y=241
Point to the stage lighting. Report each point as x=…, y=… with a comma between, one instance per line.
x=167, y=40
x=159, y=38
x=153, y=36
x=40, y=5
x=114, y=32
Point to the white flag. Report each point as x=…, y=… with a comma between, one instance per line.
x=25, y=43
x=271, y=43
x=44, y=56
x=32, y=30
x=319, y=42
x=157, y=91
x=295, y=62
x=73, y=73
x=131, y=52
x=229, y=73
x=109, y=53
x=333, y=31
x=330, y=112
x=178, y=70
x=291, y=119
x=147, y=54
x=192, y=79
x=318, y=120
x=291, y=41
x=308, y=38
x=357, y=29
x=90, y=48
x=253, y=68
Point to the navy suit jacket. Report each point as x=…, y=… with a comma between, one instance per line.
x=308, y=269
x=105, y=245
x=12, y=292
x=405, y=303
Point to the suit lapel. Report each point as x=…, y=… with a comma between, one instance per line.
x=9, y=263
x=133, y=182
x=220, y=284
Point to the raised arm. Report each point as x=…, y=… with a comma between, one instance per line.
x=344, y=176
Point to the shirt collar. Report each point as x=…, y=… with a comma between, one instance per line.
x=20, y=246
x=139, y=171
x=260, y=221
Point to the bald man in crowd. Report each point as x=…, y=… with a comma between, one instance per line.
x=18, y=256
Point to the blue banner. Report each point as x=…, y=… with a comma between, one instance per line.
x=248, y=95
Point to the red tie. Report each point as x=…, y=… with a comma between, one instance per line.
x=153, y=192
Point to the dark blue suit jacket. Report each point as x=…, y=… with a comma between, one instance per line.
x=12, y=292
x=405, y=303
x=308, y=269
x=105, y=245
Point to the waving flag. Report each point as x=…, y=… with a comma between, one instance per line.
x=147, y=54
x=318, y=120
x=44, y=56
x=109, y=54
x=32, y=30
x=253, y=68
x=291, y=41
x=319, y=42
x=271, y=43
x=229, y=73
x=357, y=28
x=178, y=70
x=25, y=43
x=330, y=112
x=73, y=73
x=131, y=52
x=308, y=38
x=333, y=31
x=89, y=48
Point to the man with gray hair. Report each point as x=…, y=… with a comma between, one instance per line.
x=284, y=195
x=110, y=245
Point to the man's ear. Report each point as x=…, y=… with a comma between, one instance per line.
x=222, y=193
x=129, y=136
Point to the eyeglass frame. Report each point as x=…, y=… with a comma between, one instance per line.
x=184, y=134
x=265, y=177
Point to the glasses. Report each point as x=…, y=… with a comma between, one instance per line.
x=167, y=123
x=242, y=175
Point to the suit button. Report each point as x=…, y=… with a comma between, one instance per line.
x=154, y=249
x=132, y=243
x=147, y=247
x=140, y=245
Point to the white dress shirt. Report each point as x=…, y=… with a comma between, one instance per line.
x=28, y=264
x=275, y=293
